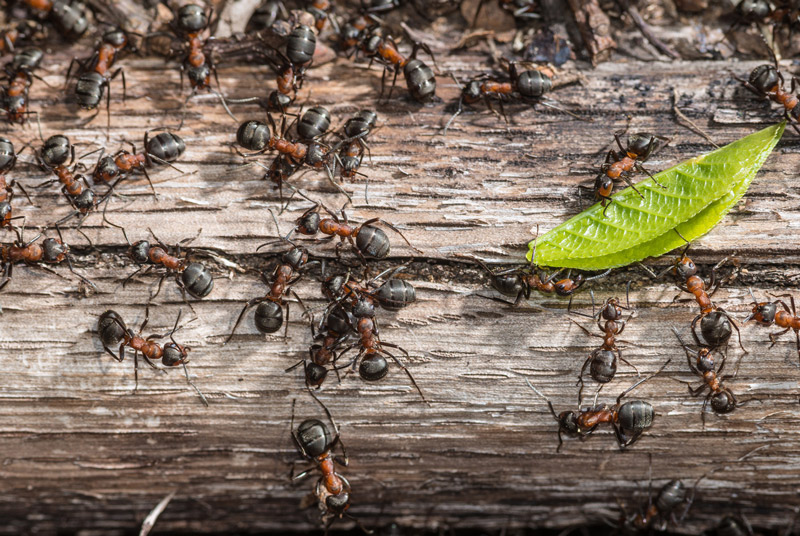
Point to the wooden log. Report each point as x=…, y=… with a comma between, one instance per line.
x=81, y=452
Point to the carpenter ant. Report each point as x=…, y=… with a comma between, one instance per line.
x=269, y=313
x=11, y=37
x=163, y=148
x=370, y=360
x=356, y=129
x=14, y=98
x=618, y=166
x=8, y=158
x=629, y=420
x=68, y=17
x=420, y=78
x=265, y=16
x=393, y=294
x=366, y=239
x=192, y=277
x=767, y=82
x=351, y=33
x=722, y=399
x=322, y=10
x=50, y=251
x=602, y=362
x=769, y=313
x=335, y=327
x=715, y=323
x=112, y=331
x=53, y=157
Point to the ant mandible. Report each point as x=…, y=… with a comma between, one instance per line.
x=112, y=331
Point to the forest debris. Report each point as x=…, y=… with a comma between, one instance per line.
x=595, y=28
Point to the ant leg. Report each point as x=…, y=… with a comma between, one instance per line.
x=589, y=333
x=619, y=143
x=247, y=305
x=580, y=376
x=408, y=373
x=201, y=395
x=628, y=181
x=640, y=168
x=774, y=336
x=619, y=356
x=135, y=370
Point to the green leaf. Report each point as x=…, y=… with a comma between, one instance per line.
x=698, y=193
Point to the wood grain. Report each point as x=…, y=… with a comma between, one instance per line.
x=82, y=453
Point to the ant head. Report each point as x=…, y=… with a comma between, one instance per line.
x=753, y=10
x=685, y=267
x=565, y=287
x=705, y=360
x=373, y=368
x=84, y=201
x=603, y=183
x=371, y=43
x=338, y=503
x=764, y=313
x=611, y=310
x=472, y=91
x=764, y=78
x=295, y=257
x=568, y=422
x=364, y=308
x=56, y=151
x=313, y=437
x=5, y=213
x=116, y=37
x=278, y=102
x=54, y=250
x=349, y=36
x=350, y=165
x=315, y=374
x=174, y=354
x=8, y=158
x=723, y=402
x=139, y=252
x=308, y=224
x=640, y=144
x=106, y=169
x=191, y=18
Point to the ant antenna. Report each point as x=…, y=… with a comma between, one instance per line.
x=640, y=382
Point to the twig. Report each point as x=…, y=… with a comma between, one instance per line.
x=648, y=33
x=692, y=125
x=152, y=517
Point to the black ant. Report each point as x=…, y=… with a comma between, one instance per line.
x=722, y=399
x=14, y=98
x=112, y=331
x=67, y=16
x=629, y=420
x=602, y=362
x=770, y=313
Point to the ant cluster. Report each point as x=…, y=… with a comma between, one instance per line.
x=345, y=337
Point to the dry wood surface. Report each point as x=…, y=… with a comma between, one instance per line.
x=80, y=452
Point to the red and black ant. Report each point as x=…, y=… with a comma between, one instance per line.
x=619, y=165
x=269, y=313
x=113, y=331
x=770, y=313
x=335, y=327
x=322, y=10
x=68, y=17
x=8, y=158
x=265, y=15
x=356, y=129
x=393, y=294
x=13, y=36
x=715, y=323
x=629, y=420
x=14, y=98
x=722, y=399
x=602, y=362
x=50, y=251
x=367, y=240
x=163, y=148
x=767, y=82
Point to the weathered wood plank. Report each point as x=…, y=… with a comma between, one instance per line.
x=80, y=452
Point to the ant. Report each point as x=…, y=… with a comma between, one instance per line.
x=269, y=313
x=112, y=331
x=769, y=313
x=619, y=165
x=372, y=366
x=356, y=129
x=51, y=251
x=715, y=323
x=322, y=10
x=350, y=34
x=52, y=157
x=163, y=148
x=722, y=399
x=68, y=17
x=602, y=362
x=8, y=159
x=192, y=277
x=420, y=78
x=366, y=239
x=767, y=82
x=11, y=37
x=315, y=443
x=393, y=294
x=265, y=15
x=629, y=420
x=335, y=327
x=14, y=98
